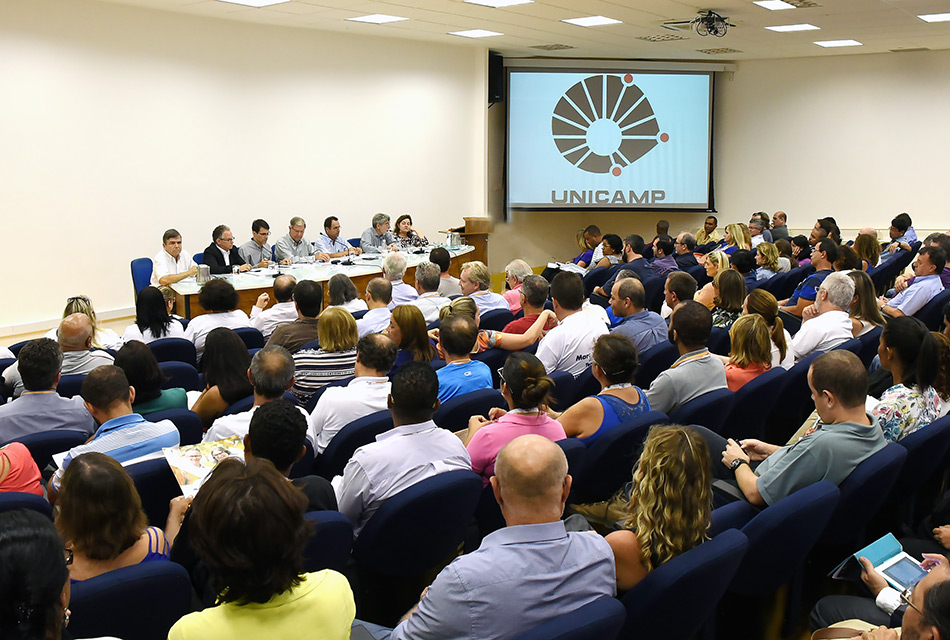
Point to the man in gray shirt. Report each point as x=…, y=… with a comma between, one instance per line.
x=293, y=247
x=40, y=408
x=526, y=573
x=378, y=235
x=256, y=252
x=644, y=328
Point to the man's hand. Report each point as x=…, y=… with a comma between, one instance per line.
x=871, y=578
x=193, y=271
x=942, y=535
x=244, y=267
x=756, y=449
x=262, y=301
x=893, y=247
x=286, y=261
x=263, y=264
x=809, y=312
x=321, y=256
x=901, y=283
x=881, y=633
x=733, y=452
x=932, y=560
x=356, y=251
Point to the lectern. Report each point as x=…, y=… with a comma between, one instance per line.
x=476, y=232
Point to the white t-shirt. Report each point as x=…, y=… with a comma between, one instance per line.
x=568, y=346
x=200, y=326
x=822, y=333
x=236, y=424
x=339, y=406
x=132, y=332
x=776, y=354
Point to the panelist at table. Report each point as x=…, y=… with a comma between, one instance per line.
x=293, y=247
x=256, y=251
x=221, y=255
x=172, y=264
x=378, y=236
x=330, y=243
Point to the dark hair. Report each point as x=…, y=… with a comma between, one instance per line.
x=617, y=357
x=412, y=327
x=937, y=608
x=830, y=228
x=218, y=231
x=635, y=242
x=104, y=386
x=377, y=352
x=762, y=217
x=168, y=235
x=714, y=219
x=247, y=527
x=900, y=223
x=341, y=290
x=380, y=290
x=804, y=247
x=665, y=246
x=458, y=334
x=690, y=241
x=614, y=242
x=259, y=224
x=937, y=257
x=309, y=298
x=404, y=216
x=568, y=290
x=682, y=284
x=663, y=224
x=441, y=257
x=225, y=363
x=848, y=259
x=218, y=295
x=272, y=369
x=284, y=288
x=151, y=312
x=414, y=392
x=328, y=221
x=277, y=433
x=592, y=228
x=142, y=370
x=692, y=323
x=527, y=380
x=915, y=348
x=732, y=290
x=38, y=363
x=942, y=240
x=742, y=261
x=535, y=290
x=843, y=374
x=632, y=289
x=830, y=248
x=33, y=574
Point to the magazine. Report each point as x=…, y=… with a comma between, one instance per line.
x=192, y=463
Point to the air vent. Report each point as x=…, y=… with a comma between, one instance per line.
x=909, y=49
x=661, y=37
x=804, y=4
x=552, y=47
x=718, y=52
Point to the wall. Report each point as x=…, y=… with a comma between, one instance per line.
x=119, y=122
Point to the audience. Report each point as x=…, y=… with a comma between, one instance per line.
x=708, y=233
x=864, y=311
x=334, y=360
x=822, y=258
x=407, y=330
x=102, y=338
x=847, y=260
x=941, y=241
x=766, y=260
x=679, y=288
x=342, y=293
x=751, y=351
x=633, y=262
x=715, y=262
x=568, y=346
x=730, y=290
x=379, y=293
x=146, y=377
x=533, y=293
x=152, y=321
x=220, y=300
x=430, y=301
x=18, y=470
x=225, y=368
x=786, y=260
x=612, y=251
x=461, y=374
x=308, y=300
x=284, y=310
x=763, y=303
x=926, y=285
x=394, y=268
x=644, y=328
x=448, y=285
x=475, y=283
x=757, y=231
x=515, y=273
x=826, y=324
x=665, y=261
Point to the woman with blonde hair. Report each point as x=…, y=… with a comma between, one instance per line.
x=101, y=338
x=669, y=507
x=766, y=257
x=751, y=352
x=334, y=360
x=737, y=237
x=868, y=249
x=407, y=330
x=715, y=262
x=864, y=312
x=730, y=294
x=763, y=303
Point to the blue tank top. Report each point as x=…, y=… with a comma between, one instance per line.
x=157, y=548
x=617, y=411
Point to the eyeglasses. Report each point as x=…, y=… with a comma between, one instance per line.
x=69, y=556
x=905, y=596
x=501, y=374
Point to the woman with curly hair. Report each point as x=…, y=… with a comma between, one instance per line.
x=766, y=259
x=670, y=504
x=868, y=249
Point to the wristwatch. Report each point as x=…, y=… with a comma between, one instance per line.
x=737, y=463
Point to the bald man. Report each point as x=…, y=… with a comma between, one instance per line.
x=526, y=573
x=284, y=310
x=75, y=339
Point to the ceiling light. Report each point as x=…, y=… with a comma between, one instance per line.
x=475, y=33
x=774, y=5
x=499, y=3
x=793, y=27
x=591, y=21
x=256, y=3
x=838, y=43
x=377, y=18
x=935, y=17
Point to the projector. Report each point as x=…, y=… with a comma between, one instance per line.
x=710, y=23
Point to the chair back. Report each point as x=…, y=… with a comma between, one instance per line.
x=654, y=361
x=709, y=410
x=304, y=466
x=359, y=314
x=45, y=444
x=329, y=546
x=653, y=293
x=495, y=320
x=585, y=385
x=313, y=344
x=180, y=374
x=354, y=242
x=174, y=349
x=253, y=338
x=594, y=278
x=752, y=404
x=15, y=347
x=565, y=388
x=795, y=278
x=331, y=462
x=239, y=406
x=719, y=341
x=926, y=449
x=199, y=258
x=869, y=344
x=732, y=515
x=699, y=275
x=188, y=423
x=794, y=403
x=853, y=345
x=678, y=597
x=142, y=602
x=494, y=359
x=455, y=413
x=932, y=313
x=15, y=500
x=600, y=620
x=156, y=484
x=70, y=385
x=141, y=274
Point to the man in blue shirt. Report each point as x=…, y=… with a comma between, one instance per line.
x=644, y=328
x=822, y=258
x=330, y=243
x=927, y=284
x=461, y=374
x=902, y=234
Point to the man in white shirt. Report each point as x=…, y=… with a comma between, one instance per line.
x=415, y=449
x=448, y=285
x=367, y=393
x=826, y=323
x=172, y=264
x=256, y=252
x=475, y=283
x=266, y=320
x=293, y=247
x=394, y=268
x=271, y=373
x=379, y=293
x=330, y=243
x=755, y=231
x=568, y=346
x=430, y=301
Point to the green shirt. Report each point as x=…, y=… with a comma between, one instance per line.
x=170, y=399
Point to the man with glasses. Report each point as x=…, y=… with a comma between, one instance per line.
x=329, y=241
x=823, y=259
x=256, y=251
x=683, y=251
x=221, y=255
x=293, y=247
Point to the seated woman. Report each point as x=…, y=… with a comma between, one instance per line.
x=18, y=471
x=868, y=249
x=342, y=293
x=669, y=508
x=406, y=236
x=715, y=262
x=730, y=294
x=614, y=366
x=786, y=261
x=764, y=304
x=220, y=300
x=490, y=339
x=864, y=312
x=737, y=237
x=751, y=352
x=587, y=252
x=334, y=360
x=801, y=250
x=144, y=374
x=101, y=521
x=102, y=338
x=847, y=260
x=766, y=257
x=526, y=387
x=151, y=319
x=909, y=352
x=407, y=330
x=246, y=525
x=613, y=251
x=225, y=367
x=942, y=381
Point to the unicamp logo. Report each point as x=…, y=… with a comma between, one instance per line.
x=605, y=123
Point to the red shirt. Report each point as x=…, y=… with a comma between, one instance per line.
x=736, y=378
x=18, y=471
x=523, y=324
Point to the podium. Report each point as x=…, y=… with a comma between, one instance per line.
x=476, y=232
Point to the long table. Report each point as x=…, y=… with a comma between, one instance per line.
x=252, y=283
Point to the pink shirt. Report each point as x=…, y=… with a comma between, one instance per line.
x=490, y=439
x=22, y=473
x=513, y=298
x=736, y=378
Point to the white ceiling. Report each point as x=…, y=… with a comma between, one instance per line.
x=881, y=25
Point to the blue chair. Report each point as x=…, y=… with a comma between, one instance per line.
x=653, y=293
x=495, y=320
x=45, y=444
x=853, y=345
x=313, y=344
x=932, y=313
x=494, y=359
x=565, y=389
x=6, y=362
x=654, y=361
x=869, y=344
x=359, y=314
x=70, y=385
x=156, y=484
x=304, y=466
x=585, y=385
x=142, y=602
x=753, y=402
x=15, y=500
x=199, y=258
x=438, y=363
x=732, y=515
x=174, y=349
x=188, y=423
x=699, y=275
x=455, y=413
x=253, y=339
x=794, y=402
x=15, y=348
x=594, y=278
x=329, y=546
x=311, y=404
x=141, y=274
x=331, y=462
x=679, y=596
x=926, y=449
x=245, y=404
x=354, y=242
x=576, y=453
x=795, y=278
x=436, y=324
x=181, y=375
x=709, y=410
x=719, y=341
x=597, y=620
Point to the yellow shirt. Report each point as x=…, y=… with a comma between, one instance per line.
x=702, y=238
x=321, y=606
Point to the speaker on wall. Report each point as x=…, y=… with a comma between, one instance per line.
x=496, y=77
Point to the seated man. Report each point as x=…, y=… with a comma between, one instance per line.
x=900, y=233
x=330, y=243
x=308, y=301
x=125, y=436
x=413, y=450
x=744, y=262
x=941, y=240
x=394, y=268
x=378, y=235
x=172, y=264
x=633, y=249
x=461, y=374
x=39, y=407
x=845, y=437
x=429, y=300
x=293, y=247
x=779, y=225
x=221, y=255
x=475, y=283
x=379, y=293
x=256, y=252
x=366, y=393
x=284, y=310
x=826, y=324
x=75, y=339
x=696, y=371
x=271, y=374
x=568, y=346
x=526, y=573
x=665, y=262
x=823, y=259
x=927, y=269
x=678, y=289
x=757, y=232
x=684, y=247
x=515, y=273
x=708, y=235
x=644, y=328
x=448, y=286
x=533, y=293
